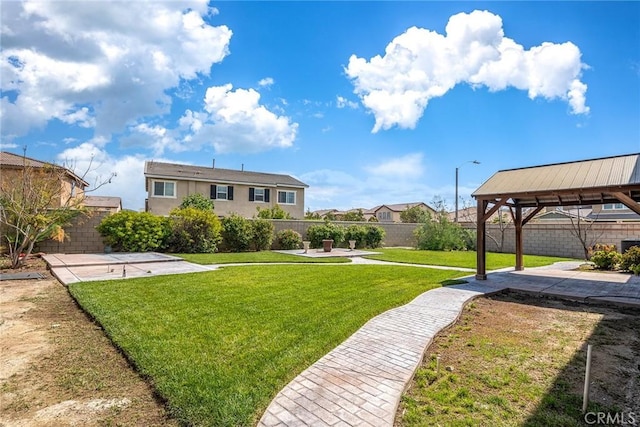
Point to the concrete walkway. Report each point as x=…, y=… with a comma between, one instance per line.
x=361, y=381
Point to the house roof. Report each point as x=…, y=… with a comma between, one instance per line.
x=102, y=201
x=231, y=176
x=582, y=182
x=16, y=161
x=399, y=207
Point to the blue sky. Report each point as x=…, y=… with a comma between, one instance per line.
x=367, y=102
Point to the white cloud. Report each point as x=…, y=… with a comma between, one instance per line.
x=235, y=121
x=98, y=165
x=266, y=82
x=101, y=64
x=409, y=166
x=420, y=65
x=342, y=102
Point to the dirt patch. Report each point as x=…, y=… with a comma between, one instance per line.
x=520, y=360
x=57, y=368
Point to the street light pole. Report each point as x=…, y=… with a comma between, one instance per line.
x=475, y=162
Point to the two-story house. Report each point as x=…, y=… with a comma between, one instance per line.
x=71, y=185
x=391, y=213
x=232, y=191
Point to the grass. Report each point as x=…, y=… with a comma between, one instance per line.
x=465, y=259
x=219, y=345
x=256, y=257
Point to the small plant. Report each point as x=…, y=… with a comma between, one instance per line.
x=327, y=231
x=635, y=269
x=630, y=259
x=289, y=239
x=261, y=234
x=275, y=212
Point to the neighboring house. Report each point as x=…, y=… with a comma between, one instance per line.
x=609, y=212
x=391, y=213
x=71, y=185
x=103, y=203
x=323, y=213
x=232, y=191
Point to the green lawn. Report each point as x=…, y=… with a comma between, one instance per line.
x=255, y=257
x=219, y=345
x=465, y=259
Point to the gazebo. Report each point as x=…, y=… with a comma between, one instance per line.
x=586, y=182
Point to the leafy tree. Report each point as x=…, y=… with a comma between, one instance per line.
x=414, y=215
x=35, y=206
x=441, y=234
x=197, y=201
x=354, y=216
x=275, y=212
x=314, y=216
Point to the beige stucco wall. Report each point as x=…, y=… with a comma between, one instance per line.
x=239, y=205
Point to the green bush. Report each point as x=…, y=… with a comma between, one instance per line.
x=129, y=231
x=194, y=231
x=630, y=259
x=317, y=233
x=275, y=212
x=357, y=233
x=441, y=235
x=197, y=201
x=356, y=215
x=604, y=257
x=236, y=233
x=374, y=237
x=261, y=234
x=289, y=239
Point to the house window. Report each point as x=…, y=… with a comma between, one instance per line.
x=164, y=189
x=384, y=216
x=221, y=192
x=258, y=194
x=613, y=206
x=287, y=197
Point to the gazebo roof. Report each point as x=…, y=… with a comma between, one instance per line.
x=582, y=182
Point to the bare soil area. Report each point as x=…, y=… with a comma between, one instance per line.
x=57, y=368
x=520, y=360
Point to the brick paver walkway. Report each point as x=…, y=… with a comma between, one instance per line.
x=360, y=382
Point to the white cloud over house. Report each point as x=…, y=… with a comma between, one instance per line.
x=421, y=64
x=101, y=64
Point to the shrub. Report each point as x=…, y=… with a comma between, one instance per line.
x=357, y=233
x=630, y=259
x=415, y=215
x=194, y=231
x=289, y=239
x=441, y=235
x=129, y=231
x=356, y=215
x=236, y=233
x=317, y=233
x=261, y=234
x=197, y=201
x=374, y=237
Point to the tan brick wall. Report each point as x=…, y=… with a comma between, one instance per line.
x=81, y=237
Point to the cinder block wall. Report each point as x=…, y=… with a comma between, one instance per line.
x=556, y=239
x=81, y=237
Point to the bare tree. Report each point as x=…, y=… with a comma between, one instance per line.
x=35, y=205
x=582, y=229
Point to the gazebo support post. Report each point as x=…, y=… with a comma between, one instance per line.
x=519, y=240
x=481, y=264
